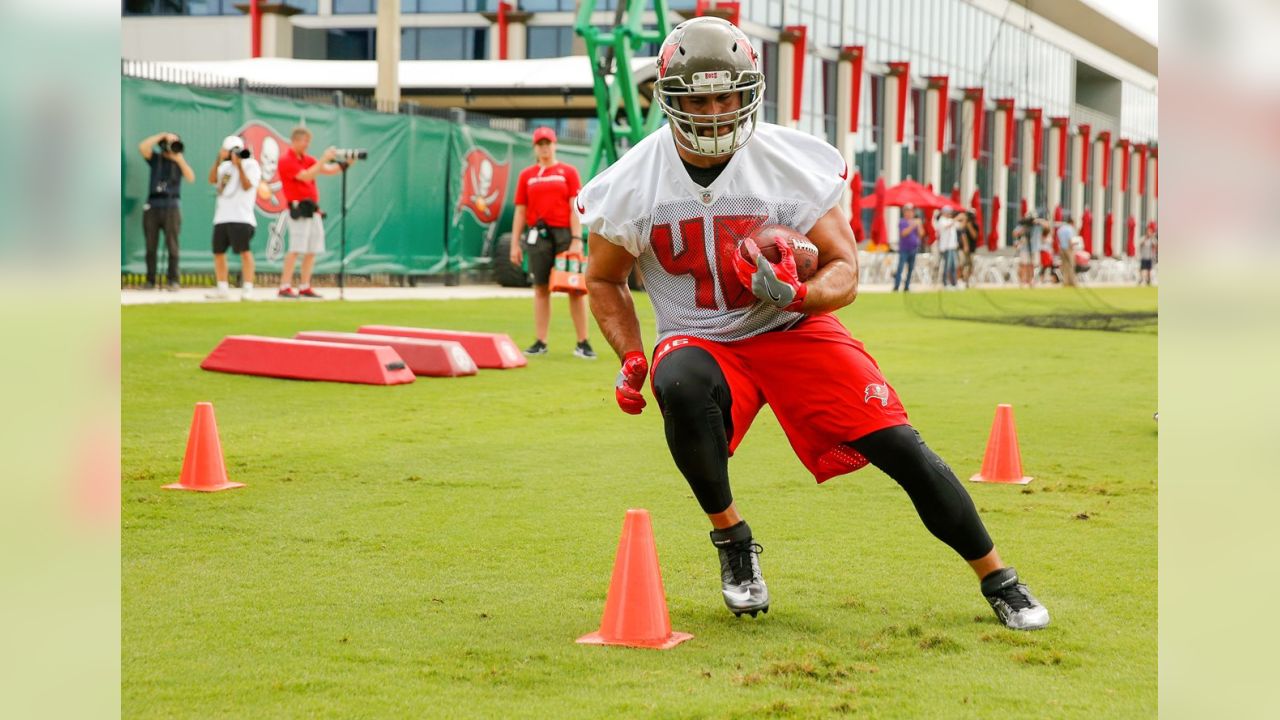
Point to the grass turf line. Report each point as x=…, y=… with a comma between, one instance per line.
x=432, y=550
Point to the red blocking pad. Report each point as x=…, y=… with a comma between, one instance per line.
x=489, y=350
x=431, y=358
x=308, y=360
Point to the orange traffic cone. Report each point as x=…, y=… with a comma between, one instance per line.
x=1003, y=461
x=203, y=469
x=635, y=612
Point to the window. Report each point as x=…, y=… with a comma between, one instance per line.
x=829, y=95
x=355, y=44
x=550, y=5
x=354, y=7
x=198, y=7
x=440, y=6
x=769, y=64
x=444, y=43
x=548, y=42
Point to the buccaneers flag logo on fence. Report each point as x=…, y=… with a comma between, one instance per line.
x=484, y=185
x=267, y=145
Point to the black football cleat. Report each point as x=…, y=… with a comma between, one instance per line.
x=1013, y=604
x=741, y=583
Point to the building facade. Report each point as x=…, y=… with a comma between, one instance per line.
x=1052, y=111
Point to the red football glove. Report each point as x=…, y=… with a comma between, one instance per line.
x=630, y=381
x=775, y=283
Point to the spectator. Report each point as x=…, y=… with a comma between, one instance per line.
x=298, y=172
x=1148, y=250
x=1027, y=242
x=967, y=231
x=909, y=229
x=544, y=199
x=163, y=209
x=1043, y=234
x=948, y=245
x=1066, y=257
x=238, y=178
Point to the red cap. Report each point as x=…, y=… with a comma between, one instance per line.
x=544, y=133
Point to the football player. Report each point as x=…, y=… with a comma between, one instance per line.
x=732, y=331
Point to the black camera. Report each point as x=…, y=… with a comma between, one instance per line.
x=349, y=154
x=244, y=153
x=171, y=147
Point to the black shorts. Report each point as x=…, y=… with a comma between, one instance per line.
x=1145, y=265
x=542, y=254
x=232, y=235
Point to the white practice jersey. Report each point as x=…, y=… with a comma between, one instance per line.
x=683, y=235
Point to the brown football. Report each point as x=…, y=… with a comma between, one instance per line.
x=806, y=253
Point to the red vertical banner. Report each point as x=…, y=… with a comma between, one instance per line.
x=901, y=71
x=1004, y=108
x=939, y=83
x=1155, y=171
x=1061, y=123
x=798, y=35
x=1035, y=116
x=1104, y=137
x=1142, y=168
x=975, y=94
x=993, y=237
x=854, y=55
x=1123, y=144
x=503, y=8
x=730, y=10
x=255, y=31
x=1085, y=149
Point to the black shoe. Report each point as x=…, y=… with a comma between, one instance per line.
x=537, y=348
x=1014, y=605
x=584, y=351
x=741, y=583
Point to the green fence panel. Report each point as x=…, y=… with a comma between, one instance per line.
x=432, y=196
x=484, y=169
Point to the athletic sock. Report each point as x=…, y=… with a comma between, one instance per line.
x=223, y=285
x=247, y=286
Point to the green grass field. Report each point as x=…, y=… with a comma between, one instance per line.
x=433, y=550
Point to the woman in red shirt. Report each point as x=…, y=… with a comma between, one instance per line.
x=545, y=226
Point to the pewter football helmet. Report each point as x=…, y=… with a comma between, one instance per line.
x=709, y=55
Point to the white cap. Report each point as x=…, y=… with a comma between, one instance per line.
x=232, y=142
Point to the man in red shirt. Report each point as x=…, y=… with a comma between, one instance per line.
x=544, y=196
x=298, y=172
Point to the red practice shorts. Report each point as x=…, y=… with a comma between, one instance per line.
x=823, y=386
x=1046, y=259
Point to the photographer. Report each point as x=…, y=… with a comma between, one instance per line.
x=162, y=210
x=238, y=177
x=298, y=172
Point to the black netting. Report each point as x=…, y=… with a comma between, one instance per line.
x=1063, y=308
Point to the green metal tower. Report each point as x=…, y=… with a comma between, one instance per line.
x=622, y=121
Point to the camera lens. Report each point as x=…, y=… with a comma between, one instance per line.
x=176, y=146
x=244, y=153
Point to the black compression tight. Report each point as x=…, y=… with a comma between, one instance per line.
x=942, y=502
x=695, y=402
